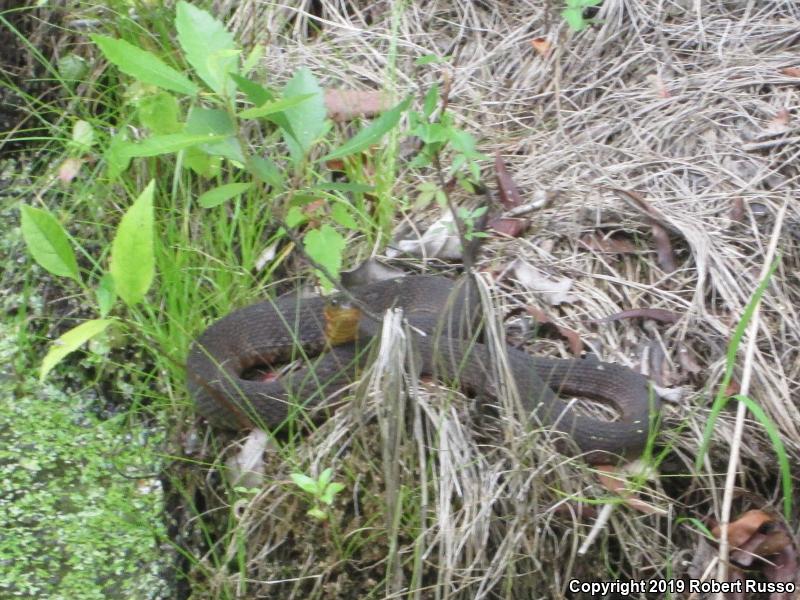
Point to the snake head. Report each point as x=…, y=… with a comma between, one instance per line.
x=341, y=321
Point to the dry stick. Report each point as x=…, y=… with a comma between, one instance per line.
x=741, y=410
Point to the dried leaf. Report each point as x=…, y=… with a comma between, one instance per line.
x=542, y=46
x=737, y=210
x=246, y=467
x=554, y=289
x=509, y=192
x=614, y=244
x=614, y=480
x=687, y=361
x=345, y=105
x=780, y=122
x=734, y=387
x=659, y=225
x=759, y=540
x=790, y=71
x=439, y=241
x=572, y=337
x=509, y=226
x=69, y=169
x=666, y=258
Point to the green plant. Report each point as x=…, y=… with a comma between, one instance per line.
x=321, y=491
x=212, y=134
x=439, y=133
x=573, y=13
x=721, y=399
x=469, y=218
x=129, y=276
x=200, y=121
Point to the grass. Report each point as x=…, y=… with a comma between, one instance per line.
x=438, y=497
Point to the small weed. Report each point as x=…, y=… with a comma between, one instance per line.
x=321, y=491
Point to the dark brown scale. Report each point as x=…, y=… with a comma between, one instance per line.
x=274, y=332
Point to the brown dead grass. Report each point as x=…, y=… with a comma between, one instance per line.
x=678, y=103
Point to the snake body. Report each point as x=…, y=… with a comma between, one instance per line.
x=276, y=331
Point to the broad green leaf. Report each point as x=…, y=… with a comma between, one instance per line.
x=132, y=254
x=295, y=216
x=574, y=18
x=71, y=341
x=201, y=163
x=305, y=483
x=317, y=513
x=72, y=67
x=117, y=160
x=342, y=216
x=255, y=93
x=330, y=493
x=431, y=100
x=307, y=120
x=276, y=106
x=266, y=170
x=166, y=144
x=372, y=133
x=48, y=242
x=324, y=478
x=105, y=294
x=325, y=245
x=143, y=65
x=258, y=95
x=213, y=121
x=160, y=113
x=82, y=136
x=208, y=46
x=222, y=193
x=255, y=55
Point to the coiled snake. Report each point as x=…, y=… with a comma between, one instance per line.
x=274, y=332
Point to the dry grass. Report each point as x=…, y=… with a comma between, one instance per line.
x=674, y=101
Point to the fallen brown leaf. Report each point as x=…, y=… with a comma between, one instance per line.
x=507, y=188
x=613, y=244
x=658, y=223
x=759, y=540
x=666, y=258
x=737, y=210
x=790, y=71
x=509, y=226
x=542, y=46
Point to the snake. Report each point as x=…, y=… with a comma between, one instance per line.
x=297, y=329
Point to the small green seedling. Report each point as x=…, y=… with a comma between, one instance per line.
x=321, y=490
